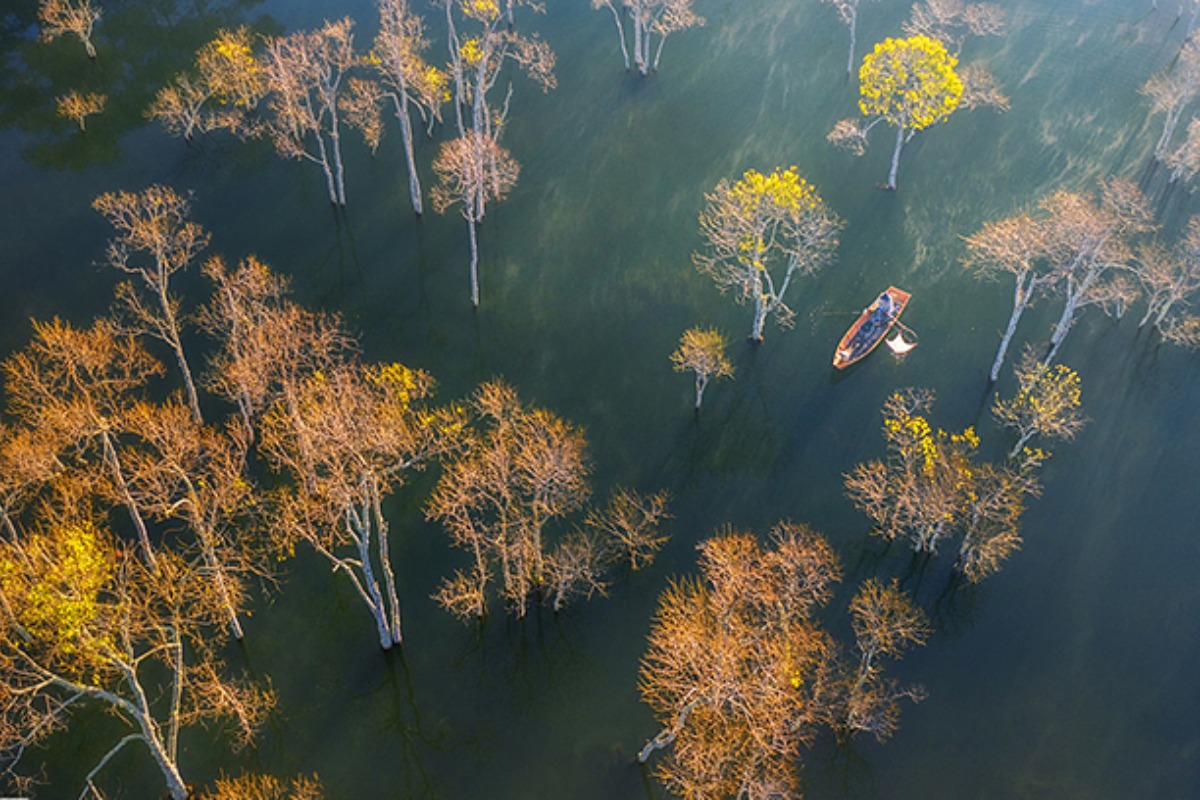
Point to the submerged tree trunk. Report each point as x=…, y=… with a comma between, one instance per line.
x=620, y=34
x=701, y=385
x=1021, y=298
x=118, y=476
x=406, y=136
x=853, y=41
x=891, y=181
x=474, y=261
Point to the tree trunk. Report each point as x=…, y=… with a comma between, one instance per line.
x=406, y=135
x=1169, y=124
x=218, y=571
x=701, y=385
x=362, y=539
x=1064, y=325
x=620, y=34
x=89, y=47
x=639, y=33
x=1025, y=437
x=1020, y=302
x=891, y=181
x=324, y=162
x=385, y=564
x=340, y=171
x=658, y=53
x=166, y=763
x=118, y=475
x=474, y=261
x=853, y=41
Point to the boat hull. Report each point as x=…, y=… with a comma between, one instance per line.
x=869, y=329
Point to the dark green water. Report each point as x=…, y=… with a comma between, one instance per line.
x=1071, y=674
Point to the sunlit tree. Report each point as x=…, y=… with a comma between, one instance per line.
x=222, y=92
x=193, y=476
x=472, y=171
x=908, y=83
x=992, y=518
x=1172, y=90
x=1015, y=246
x=738, y=669
x=306, y=75
x=348, y=438
x=504, y=499
x=886, y=623
x=1090, y=246
x=1170, y=278
x=73, y=389
x=253, y=786
x=953, y=21
x=762, y=231
x=78, y=107
x=86, y=624
x=1047, y=403
x=702, y=351
x=155, y=238
x=76, y=17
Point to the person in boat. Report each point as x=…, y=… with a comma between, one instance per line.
x=884, y=308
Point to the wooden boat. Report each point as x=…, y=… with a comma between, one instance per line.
x=869, y=329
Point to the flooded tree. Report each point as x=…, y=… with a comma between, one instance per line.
x=1046, y=404
x=848, y=11
x=920, y=490
x=188, y=473
x=78, y=107
x=523, y=472
x=305, y=78
x=761, y=231
x=1015, y=246
x=738, y=669
x=88, y=625
x=405, y=79
x=73, y=389
x=156, y=238
x=992, y=519
x=953, y=21
x=222, y=92
x=473, y=170
x=76, y=17
x=886, y=623
x=268, y=344
x=348, y=438
x=702, y=351
x=650, y=18
x=1170, y=278
x=1172, y=90
x=1089, y=246
x=910, y=84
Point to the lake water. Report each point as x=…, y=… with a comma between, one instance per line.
x=1070, y=674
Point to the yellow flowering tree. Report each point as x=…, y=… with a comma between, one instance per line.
x=921, y=490
x=909, y=83
x=703, y=352
x=1046, y=404
x=84, y=623
x=761, y=231
x=221, y=92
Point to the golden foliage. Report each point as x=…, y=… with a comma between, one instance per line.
x=1047, y=402
x=252, y=786
x=79, y=107
x=58, y=17
x=909, y=82
x=473, y=170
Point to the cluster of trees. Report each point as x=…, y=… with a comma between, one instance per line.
x=133, y=531
x=742, y=674
x=1090, y=249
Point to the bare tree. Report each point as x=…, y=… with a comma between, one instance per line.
x=305, y=76
x=650, y=18
x=1170, y=278
x=521, y=475
x=79, y=107
x=1015, y=246
x=702, y=351
x=76, y=17
x=348, y=438
x=954, y=21
x=473, y=170
x=155, y=239
x=738, y=669
x=75, y=388
x=222, y=93
x=87, y=624
x=848, y=11
x=1172, y=90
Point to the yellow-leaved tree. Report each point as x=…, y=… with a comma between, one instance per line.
x=910, y=83
x=760, y=232
x=1047, y=403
